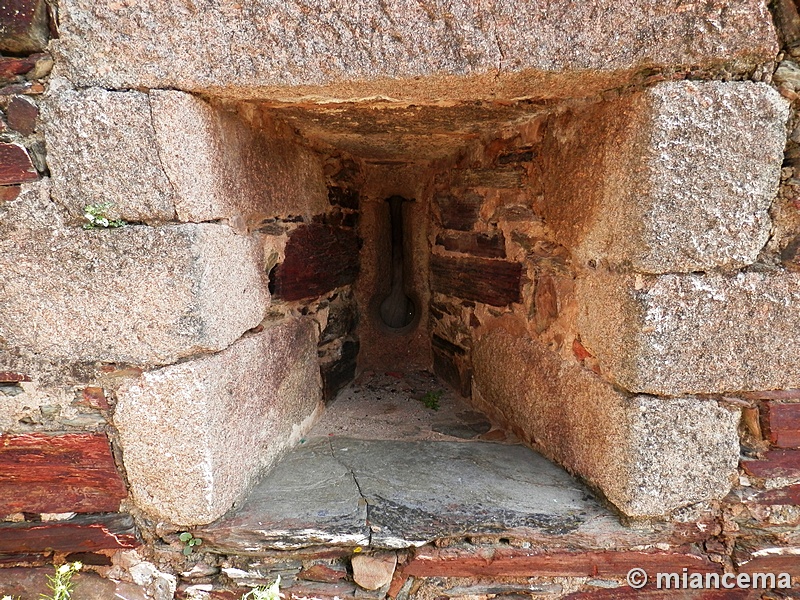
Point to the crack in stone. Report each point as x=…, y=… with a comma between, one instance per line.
x=358, y=487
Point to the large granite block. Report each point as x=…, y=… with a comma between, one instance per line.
x=195, y=435
x=647, y=455
x=693, y=334
x=359, y=49
x=676, y=178
x=139, y=295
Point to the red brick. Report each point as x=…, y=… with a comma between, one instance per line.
x=781, y=423
x=521, y=563
x=319, y=259
x=22, y=114
x=15, y=165
x=84, y=533
x=74, y=472
x=494, y=282
x=776, y=463
x=23, y=26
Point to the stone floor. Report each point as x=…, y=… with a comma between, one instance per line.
x=382, y=469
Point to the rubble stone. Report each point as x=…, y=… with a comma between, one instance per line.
x=355, y=50
x=137, y=295
x=679, y=177
x=213, y=423
x=693, y=334
x=647, y=455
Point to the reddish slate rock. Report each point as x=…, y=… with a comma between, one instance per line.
x=323, y=574
x=793, y=394
x=42, y=473
x=521, y=563
x=494, y=282
x=9, y=193
x=781, y=422
x=782, y=496
x=23, y=26
x=11, y=67
x=15, y=165
x=84, y=533
x=94, y=397
x=10, y=377
x=776, y=463
x=22, y=114
x=460, y=211
x=625, y=593
x=30, y=583
x=774, y=563
x=319, y=258
x=485, y=245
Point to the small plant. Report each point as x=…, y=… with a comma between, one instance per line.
x=61, y=583
x=190, y=542
x=263, y=592
x=96, y=217
x=431, y=399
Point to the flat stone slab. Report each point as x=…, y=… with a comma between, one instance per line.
x=399, y=494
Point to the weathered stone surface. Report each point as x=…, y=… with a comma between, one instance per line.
x=396, y=45
x=485, y=245
x=648, y=455
x=399, y=494
x=169, y=155
x=688, y=334
x=74, y=472
x=84, y=533
x=776, y=463
x=494, y=282
x=459, y=211
x=373, y=571
x=33, y=583
x=221, y=167
x=15, y=165
x=21, y=115
x=23, y=26
x=11, y=67
x=138, y=295
x=781, y=423
x=678, y=177
x=318, y=259
x=195, y=435
x=101, y=148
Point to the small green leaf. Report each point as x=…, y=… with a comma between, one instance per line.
x=197, y=541
x=185, y=536
x=187, y=551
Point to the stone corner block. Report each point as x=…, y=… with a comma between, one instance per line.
x=138, y=295
x=195, y=435
x=647, y=455
x=692, y=333
x=676, y=178
x=221, y=166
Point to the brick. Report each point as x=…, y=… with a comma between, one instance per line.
x=15, y=165
x=196, y=435
x=694, y=333
x=318, y=259
x=84, y=533
x=494, y=282
x=42, y=473
x=23, y=26
x=484, y=245
x=459, y=212
x=522, y=563
x=781, y=423
x=21, y=114
x=69, y=294
x=690, y=215
x=647, y=455
x=776, y=463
